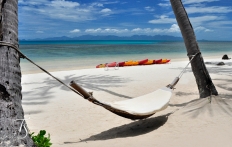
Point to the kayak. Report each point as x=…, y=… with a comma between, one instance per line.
x=141, y=62
x=157, y=61
x=149, y=62
x=101, y=66
x=113, y=64
x=129, y=63
x=135, y=62
x=165, y=61
x=121, y=64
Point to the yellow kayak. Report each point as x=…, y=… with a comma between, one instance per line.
x=101, y=66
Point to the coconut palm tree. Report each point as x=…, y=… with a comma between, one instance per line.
x=203, y=80
x=11, y=111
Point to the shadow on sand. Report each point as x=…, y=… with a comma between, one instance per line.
x=95, y=83
x=129, y=130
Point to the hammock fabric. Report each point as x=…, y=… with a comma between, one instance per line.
x=137, y=108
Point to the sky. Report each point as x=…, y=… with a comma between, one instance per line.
x=211, y=19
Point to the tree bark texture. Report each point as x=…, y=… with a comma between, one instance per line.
x=10, y=80
x=203, y=79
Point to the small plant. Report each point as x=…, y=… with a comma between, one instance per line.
x=40, y=140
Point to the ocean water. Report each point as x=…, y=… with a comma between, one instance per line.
x=62, y=55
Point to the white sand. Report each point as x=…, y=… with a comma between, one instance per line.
x=73, y=121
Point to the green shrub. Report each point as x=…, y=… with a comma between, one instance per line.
x=40, y=140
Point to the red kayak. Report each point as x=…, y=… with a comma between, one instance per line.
x=113, y=64
x=157, y=61
x=168, y=60
x=141, y=62
x=121, y=64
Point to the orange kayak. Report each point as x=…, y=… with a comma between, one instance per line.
x=165, y=61
x=129, y=63
x=135, y=62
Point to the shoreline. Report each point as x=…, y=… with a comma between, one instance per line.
x=52, y=67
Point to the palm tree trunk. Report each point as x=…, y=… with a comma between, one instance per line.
x=10, y=80
x=203, y=80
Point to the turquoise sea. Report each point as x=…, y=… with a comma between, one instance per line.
x=63, y=55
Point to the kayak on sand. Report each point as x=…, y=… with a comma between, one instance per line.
x=134, y=63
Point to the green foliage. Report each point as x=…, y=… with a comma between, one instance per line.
x=40, y=140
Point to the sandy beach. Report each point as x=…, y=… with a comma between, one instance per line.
x=75, y=122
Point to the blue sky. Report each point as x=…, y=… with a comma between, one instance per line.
x=211, y=19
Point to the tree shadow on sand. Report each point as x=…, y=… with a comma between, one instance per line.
x=92, y=82
x=226, y=83
x=42, y=94
x=211, y=69
x=203, y=107
x=129, y=130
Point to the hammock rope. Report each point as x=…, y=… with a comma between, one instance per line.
x=192, y=57
x=2, y=43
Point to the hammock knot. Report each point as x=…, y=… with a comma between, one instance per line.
x=192, y=56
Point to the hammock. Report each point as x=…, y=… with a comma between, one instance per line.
x=136, y=108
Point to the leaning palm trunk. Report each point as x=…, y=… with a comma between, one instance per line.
x=203, y=80
x=10, y=80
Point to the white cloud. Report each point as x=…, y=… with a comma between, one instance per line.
x=213, y=9
x=93, y=30
x=115, y=30
x=174, y=28
x=63, y=4
x=164, y=4
x=197, y=1
x=107, y=30
x=197, y=21
x=31, y=2
x=162, y=20
x=64, y=10
x=39, y=32
x=21, y=1
x=204, y=14
x=148, y=8
x=75, y=31
x=202, y=29
x=221, y=24
x=144, y=31
x=97, y=4
x=106, y=10
x=136, y=30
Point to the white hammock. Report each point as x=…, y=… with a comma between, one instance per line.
x=145, y=105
